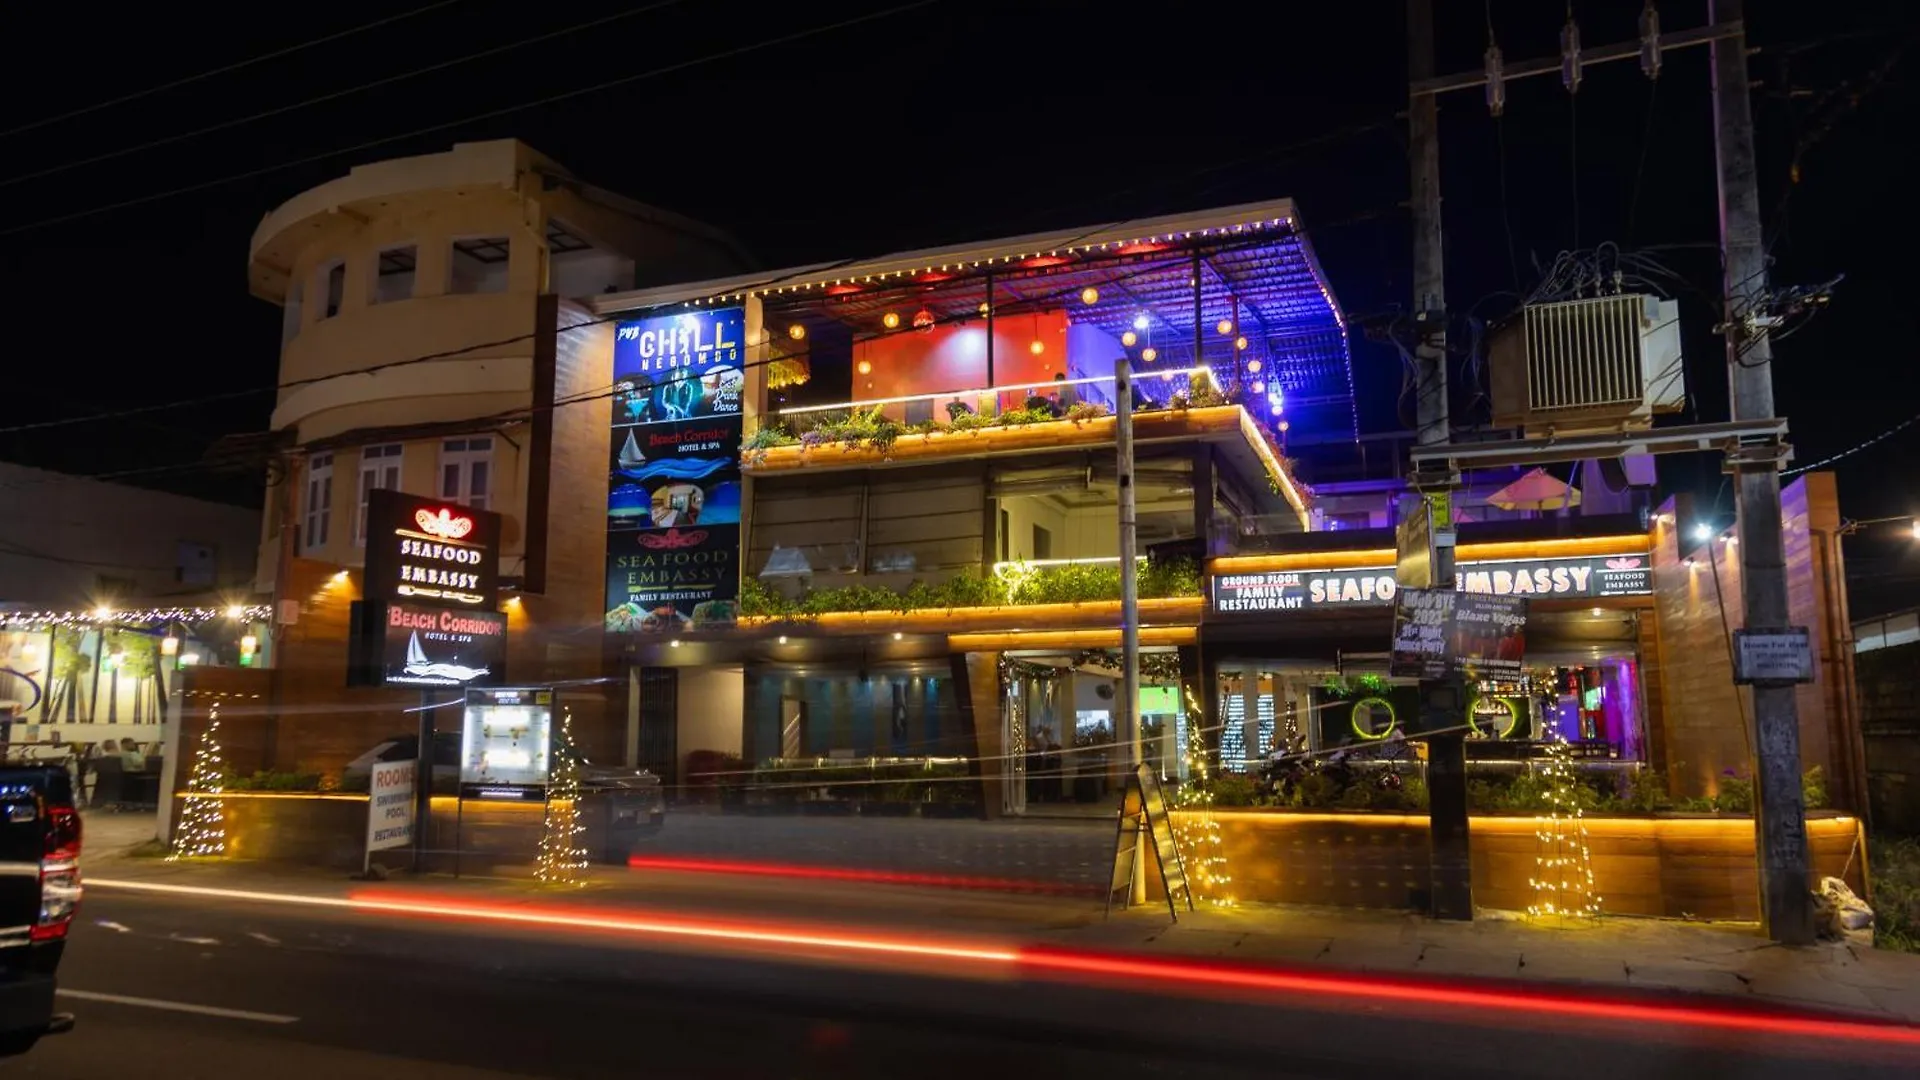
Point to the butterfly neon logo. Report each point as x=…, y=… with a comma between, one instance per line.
x=443, y=524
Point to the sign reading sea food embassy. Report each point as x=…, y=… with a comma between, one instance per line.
x=431, y=551
x=1295, y=590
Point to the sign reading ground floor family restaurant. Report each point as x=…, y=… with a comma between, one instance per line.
x=1298, y=590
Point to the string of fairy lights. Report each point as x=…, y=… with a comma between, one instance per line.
x=563, y=856
x=202, y=832
x=1562, y=881
x=113, y=618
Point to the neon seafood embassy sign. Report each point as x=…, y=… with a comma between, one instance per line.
x=426, y=550
x=1298, y=590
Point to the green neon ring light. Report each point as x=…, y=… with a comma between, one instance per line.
x=1393, y=718
x=1513, y=715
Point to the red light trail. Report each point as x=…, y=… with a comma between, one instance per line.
x=1054, y=962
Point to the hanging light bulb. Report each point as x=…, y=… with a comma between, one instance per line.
x=1240, y=342
x=1129, y=339
x=1225, y=326
x=1089, y=296
x=1149, y=354
x=891, y=320
x=1253, y=366
x=796, y=331
x=1259, y=387
x=865, y=367
x=1037, y=347
x=986, y=308
x=923, y=321
x=1140, y=321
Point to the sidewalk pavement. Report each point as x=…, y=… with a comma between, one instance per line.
x=1617, y=955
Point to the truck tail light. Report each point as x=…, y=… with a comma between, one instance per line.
x=59, y=875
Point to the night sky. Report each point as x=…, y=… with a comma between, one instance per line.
x=952, y=121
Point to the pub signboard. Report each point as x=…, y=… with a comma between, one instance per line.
x=674, y=482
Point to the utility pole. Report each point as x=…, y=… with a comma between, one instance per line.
x=1442, y=702
x=1780, y=823
x=1127, y=709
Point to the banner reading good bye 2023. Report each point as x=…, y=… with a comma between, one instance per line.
x=673, y=495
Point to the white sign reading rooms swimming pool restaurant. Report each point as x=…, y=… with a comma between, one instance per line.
x=1291, y=590
x=390, y=805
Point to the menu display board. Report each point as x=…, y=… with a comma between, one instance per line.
x=505, y=742
x=673, y=498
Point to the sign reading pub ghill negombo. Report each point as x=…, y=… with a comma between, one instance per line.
x=1294, y=590
x=431, y=551
x=673, y=493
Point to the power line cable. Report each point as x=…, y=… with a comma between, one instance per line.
x=550, y=99
x=225, y=68
x=1876, y=440
x=333, y=95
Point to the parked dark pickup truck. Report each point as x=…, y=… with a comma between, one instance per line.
x=39, y=894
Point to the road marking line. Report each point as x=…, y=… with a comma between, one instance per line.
x=190, y=940
x=264, y=939
x=109, y=924
x=178, y=1006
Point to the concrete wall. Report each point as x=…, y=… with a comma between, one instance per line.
x=70, y=543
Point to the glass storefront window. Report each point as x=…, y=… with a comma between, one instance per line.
x=1061, y=729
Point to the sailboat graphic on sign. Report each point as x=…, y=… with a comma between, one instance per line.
x=418, y=665
x=630, y=455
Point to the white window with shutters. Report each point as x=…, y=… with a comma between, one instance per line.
x=466, y=471
x=379, y=470
x=318, y=509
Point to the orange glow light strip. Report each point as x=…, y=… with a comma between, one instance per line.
x=1068, y=639
x=853, y=874
x=1382, y=558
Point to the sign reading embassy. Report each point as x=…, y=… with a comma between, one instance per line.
x=673, y=495
x=431, y=551
x=1293, y=590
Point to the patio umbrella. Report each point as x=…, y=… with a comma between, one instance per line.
x=1538, y=490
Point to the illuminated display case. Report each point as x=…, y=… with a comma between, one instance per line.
x=505, y=742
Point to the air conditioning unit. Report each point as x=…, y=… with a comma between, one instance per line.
x=1578, y=366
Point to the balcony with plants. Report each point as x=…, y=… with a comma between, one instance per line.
x=1062, y=594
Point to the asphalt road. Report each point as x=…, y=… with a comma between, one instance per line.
x=194, y=987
